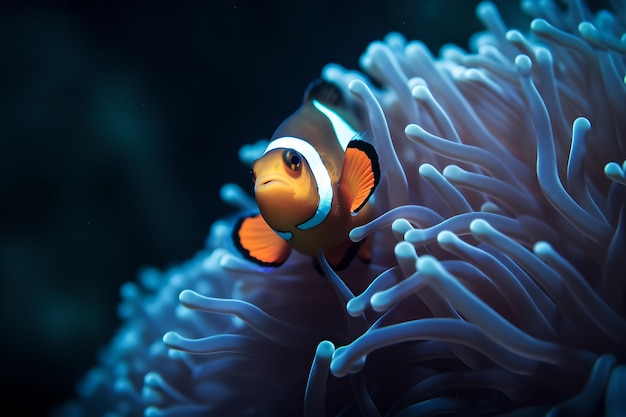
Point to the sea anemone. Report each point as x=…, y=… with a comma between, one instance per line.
x=496, y=284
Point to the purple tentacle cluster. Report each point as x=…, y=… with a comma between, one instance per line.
x=496, y=285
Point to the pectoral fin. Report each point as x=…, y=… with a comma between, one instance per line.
x=360, y=173
x=258, y=243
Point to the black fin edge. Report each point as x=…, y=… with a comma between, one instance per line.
x=370, y=151
x=245, y=252
x=350, y=254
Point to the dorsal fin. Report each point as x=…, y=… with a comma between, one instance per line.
x=324, y=92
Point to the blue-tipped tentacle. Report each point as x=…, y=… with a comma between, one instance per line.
x=546, y=163
x=614, y=400
x=448, y=193
x=546, y=277
x=588, y=400
x=315, y=393
x=440, y=329
x=387, y=65
x=460, y=225
x=576, y=177
x=510, y=288
x=596, y=308
x=505, y=194
x=212, y=344
x=495, y=326
x=361, y=302
x=419, y=215
x=389, y=163
x=273, y=329
x=462, y=152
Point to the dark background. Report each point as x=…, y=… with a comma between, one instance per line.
x=119, y=122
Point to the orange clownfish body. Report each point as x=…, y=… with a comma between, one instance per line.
x=312, y=185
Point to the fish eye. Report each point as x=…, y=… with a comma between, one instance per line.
x=293, y=159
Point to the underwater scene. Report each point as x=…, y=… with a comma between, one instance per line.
x=266, y=208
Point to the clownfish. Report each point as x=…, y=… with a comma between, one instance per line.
x=312, y=185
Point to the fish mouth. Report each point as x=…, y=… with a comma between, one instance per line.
x=270, y=181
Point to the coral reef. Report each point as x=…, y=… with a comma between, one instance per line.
x=496, y=284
